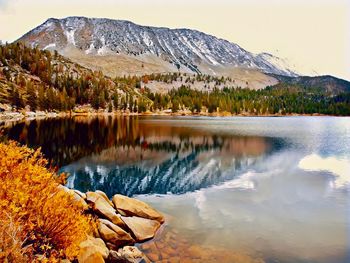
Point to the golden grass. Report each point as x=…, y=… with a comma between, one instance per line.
x=38, y=217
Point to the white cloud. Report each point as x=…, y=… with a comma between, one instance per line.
x=339, y=167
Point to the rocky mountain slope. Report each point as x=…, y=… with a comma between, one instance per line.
x=122, y=47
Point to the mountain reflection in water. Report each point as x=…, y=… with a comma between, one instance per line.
x=131, y=156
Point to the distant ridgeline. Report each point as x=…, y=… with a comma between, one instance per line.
x=41, y=80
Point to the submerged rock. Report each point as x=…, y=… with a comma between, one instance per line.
x=133, y=207
x=143, y=229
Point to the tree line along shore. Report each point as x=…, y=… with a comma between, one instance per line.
x=33, y=80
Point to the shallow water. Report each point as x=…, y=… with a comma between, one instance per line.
x=233, y=189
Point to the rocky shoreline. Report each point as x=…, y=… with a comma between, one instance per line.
x=121, y=223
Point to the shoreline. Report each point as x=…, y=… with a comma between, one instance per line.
x=14, y=116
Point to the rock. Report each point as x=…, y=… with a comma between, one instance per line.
x=151, y=251
x=160, y=244
x=115, y=257
x=196, y=251
x=142, y=228
x=153, y=257
x=103, y=208
x=92, y=197
x=192, y=260
x=149, y=247
x=92, y=250
x=64, y=188
x=80, y=200
x=105, y=197
x=134, y=207
x=112, y=246
x=76, y=196
x=82, y=195
x=133, y=254
x=174, y=260
x=92, y=258
x=113, y=234
x=169, y=251
x=127, y=254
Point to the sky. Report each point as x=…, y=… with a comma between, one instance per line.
x=314, y=35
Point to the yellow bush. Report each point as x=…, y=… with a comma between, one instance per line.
x=10, y=240
x=50, y=221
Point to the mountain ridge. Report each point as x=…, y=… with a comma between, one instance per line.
x=183, y=49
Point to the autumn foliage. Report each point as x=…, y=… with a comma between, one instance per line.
x=37, y=217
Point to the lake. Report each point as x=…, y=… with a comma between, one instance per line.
x=239, y=189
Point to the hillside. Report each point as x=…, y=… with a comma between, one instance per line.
x=48, y=81
x=328, y=84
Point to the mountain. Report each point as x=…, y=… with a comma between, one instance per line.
x=121, y=47
x=327, y=83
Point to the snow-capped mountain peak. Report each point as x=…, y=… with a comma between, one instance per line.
x=183, y=48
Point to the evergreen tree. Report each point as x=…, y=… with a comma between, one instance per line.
x=41, y=98
x=110, y=107
x=16, y=98
x=32, y=99
x=116, y=100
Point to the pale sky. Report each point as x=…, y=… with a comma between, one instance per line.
x=312, y=34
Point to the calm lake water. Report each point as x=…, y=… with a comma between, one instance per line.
x=232, y=189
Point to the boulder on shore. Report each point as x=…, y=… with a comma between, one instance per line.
x=115, y=257
x=77, y=197
x=133, y=207
x=143, y=229
x=113, y=234
x=103, y=194
x=133, y=255
x=120, y=225
x=81, y=194
x=104, y=208
x=92, y=250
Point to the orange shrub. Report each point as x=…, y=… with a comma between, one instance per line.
x=50, y=221
x=10, y=240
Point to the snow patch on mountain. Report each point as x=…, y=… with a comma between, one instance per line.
x=50, y=46
x=91, y=49
x=281, y=63
x=70, y=36
x=103, y=50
